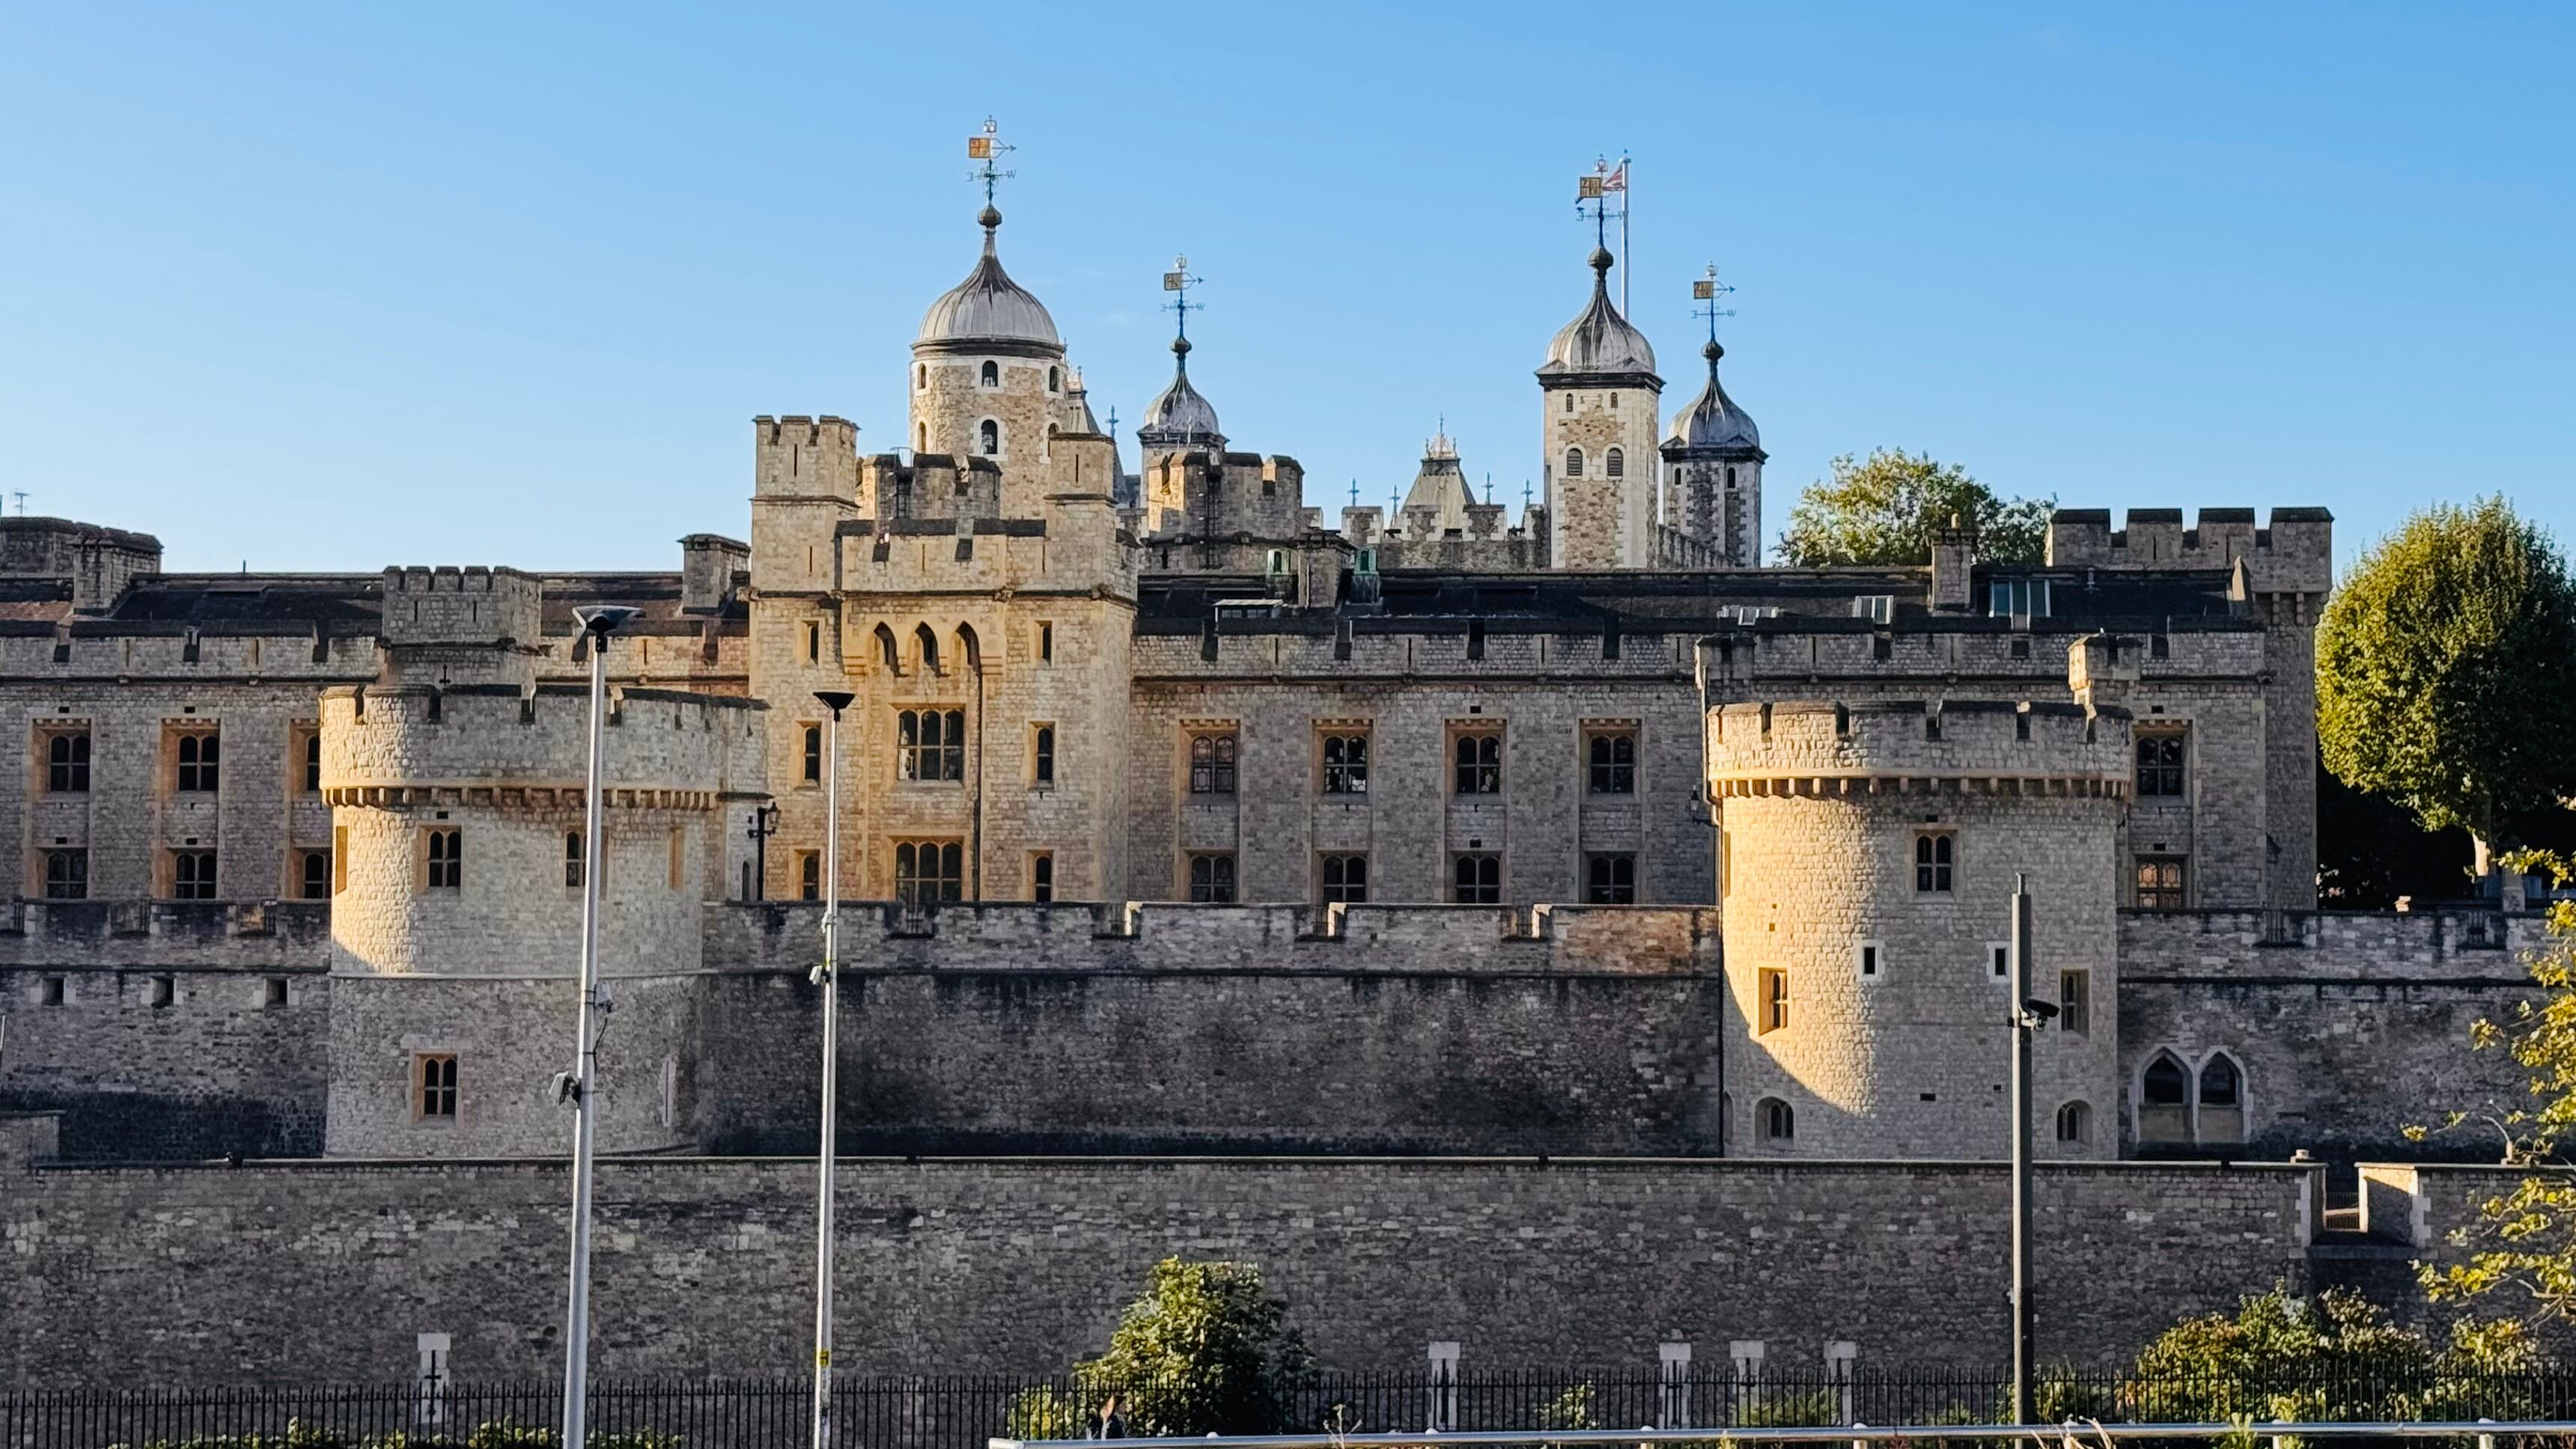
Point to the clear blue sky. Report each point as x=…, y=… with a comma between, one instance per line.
x=341, y=286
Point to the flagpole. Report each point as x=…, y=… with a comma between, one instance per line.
x=1627, y=194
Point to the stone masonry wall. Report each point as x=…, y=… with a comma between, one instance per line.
x=304, y=1273
x=1181, y=1028
x=1411, y=694
x=167, y=1030
x=2347, y=1026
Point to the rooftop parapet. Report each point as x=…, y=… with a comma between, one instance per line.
x=1830, y=747
x=2294, y=555
x=476, y=741
x=1133, y=937
x=1076, y=544
x=100, y=562
x=1197, y=494
x=469, y=606
x=802, y=456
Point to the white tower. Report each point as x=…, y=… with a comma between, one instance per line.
x=1601, y=401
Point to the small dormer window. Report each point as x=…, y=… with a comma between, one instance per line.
x=988, y=435
x=1615, y=462
x=1574, y=462
x=992, y=375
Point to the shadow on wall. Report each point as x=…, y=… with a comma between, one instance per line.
x=170, y=1127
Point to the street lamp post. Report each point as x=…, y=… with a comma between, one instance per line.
x=577, y=1085
x=2028, y=1015
x=764, y=824
x=828, y=975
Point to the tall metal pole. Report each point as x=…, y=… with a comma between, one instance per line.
x=830, y=976
x=598, y=623
x=1627, y=189
x=2023, y=1020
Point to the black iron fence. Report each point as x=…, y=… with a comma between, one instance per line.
x=962, y=1412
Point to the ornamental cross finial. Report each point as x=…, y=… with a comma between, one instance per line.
x=988, y=147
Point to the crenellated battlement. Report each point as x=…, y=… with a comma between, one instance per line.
x=1826, y=747
x=1075, y=545
x=932, y=486
x=1134, y=937
x=802, y=456
x=386, y=745
x=2294, y=555
x=449, y=605
x=1202, y=495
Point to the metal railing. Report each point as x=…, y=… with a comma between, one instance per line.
x=1476, y=1406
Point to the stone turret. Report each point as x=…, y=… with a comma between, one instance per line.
x=1867, y=852
x=457, y=857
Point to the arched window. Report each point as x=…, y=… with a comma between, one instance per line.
x=2164, y=1101
x=1615, y=462
x=887, y=655
x=1574, y=462
x=1569, y=402
x=2075, y=1124
x=1480, y=764
x=991, y=376
x=969, y=648
x=1775, y=1121
x=988, y=435
x=1054, y=378
x=1730, y=475
x=921, y=437
x=921, y=377
x=926, y=645
x=2221, y=1117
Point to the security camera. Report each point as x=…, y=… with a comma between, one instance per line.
x=2044, y=1010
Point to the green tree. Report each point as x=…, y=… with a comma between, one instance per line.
x=2332, y=1357
x=1884, y=509
x=1206, y=1350
x=2524, y=1240
x=2446, y=672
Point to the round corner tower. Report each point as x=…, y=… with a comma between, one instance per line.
x=1868, y=853
x=457, y=817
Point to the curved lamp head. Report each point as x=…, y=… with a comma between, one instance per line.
x=835, y=700
x=601, y=620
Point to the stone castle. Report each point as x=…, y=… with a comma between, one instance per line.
x=1191, y=823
